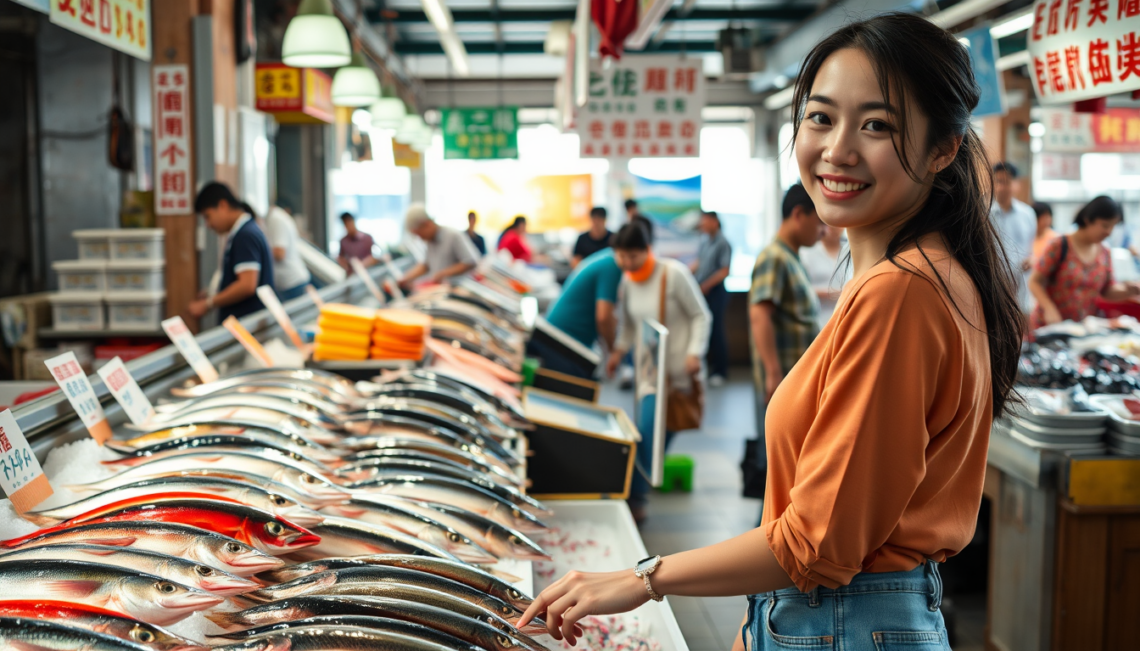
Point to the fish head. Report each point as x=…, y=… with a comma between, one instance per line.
x=235, y=556
x=279, y=536
x=322, y=490
x=523, y=548
x=160, y=601
x=460, y=546
x=156, y=638
x=293, y=511
x=222, y=583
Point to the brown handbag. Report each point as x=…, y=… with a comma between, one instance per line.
x=683, y=409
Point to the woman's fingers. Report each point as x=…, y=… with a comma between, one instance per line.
x=569, y=622
x=536, y=608
x=556, y=616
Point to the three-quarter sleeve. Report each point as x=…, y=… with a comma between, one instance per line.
x=684, y=288
x=864, y=454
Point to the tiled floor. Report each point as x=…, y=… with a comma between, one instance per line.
x=715, y=511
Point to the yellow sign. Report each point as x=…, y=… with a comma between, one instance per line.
x=294, y=95
x=549, y=203
x=121, y=24
x=405, y=156
x=278, y=83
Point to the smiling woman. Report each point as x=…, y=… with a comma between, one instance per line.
x=877, y=438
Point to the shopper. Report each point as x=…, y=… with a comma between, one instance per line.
x=247, y=262
x=513, y=240
x=449, y=252
x=593, y=240
x=633, y=215
x=1076, y=269
x=714, y=256
x=356, y=244
x=476, y=239
x=1017, y=225
x=585, y=310
x=290, y=275
x=784, y=310
x=826, y=271
x=878, y=445
x=685, y=316
x=1045, y=232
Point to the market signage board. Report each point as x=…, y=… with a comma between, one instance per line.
x=643, y=106
x=1083, y=49
x=983, y=60
x=120, y=24
x=21, y=476
x=480, y=133
x=172, y=180
x=75, y=385
x=294, y=95
x=126, y=391
x=1115, y=130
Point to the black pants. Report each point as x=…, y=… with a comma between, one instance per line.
x=717, y=299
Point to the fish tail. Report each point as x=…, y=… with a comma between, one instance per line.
x=227, y=620
x=40, y=519
x=248, y=600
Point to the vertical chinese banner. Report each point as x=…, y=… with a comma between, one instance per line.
x=1084, y=49
x=643, y=106
x=172, y=186
x=121, y=24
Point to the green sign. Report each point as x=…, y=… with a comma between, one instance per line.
x=481, y=133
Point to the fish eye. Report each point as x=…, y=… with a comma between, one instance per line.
x=140, y=634
x=507, y=610
x=514, y=540
x=166, y=588
x=202, y=570
x=308, y=479
x=504, y=641
x=279, y=500
x=455, y=538
x=514, y=594
x=516, y=513
x=233, y=547
x=274, y=528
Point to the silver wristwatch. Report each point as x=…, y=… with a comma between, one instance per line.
x=643, y=569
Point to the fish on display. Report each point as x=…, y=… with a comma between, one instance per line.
x=38, y=635
x=345, y=537
x=466, y=427
x=144, y=596
x=333, y=638
x=391, y=515
x=285, y=436
x=460, y=572
x=260, y=415
x=238, y=491
x=461, y=454
x=311, y=376
x=361, y=471
x=171, y=568
x=297, y=475
x=367, y=458
x=263, y=530
x=191, y=543
x=462, y=494
x=424, y=475
x=177, y=412
x=500, y=540
x=402, y=627
x=216, y=442
x=426, y=607
x=97, y=620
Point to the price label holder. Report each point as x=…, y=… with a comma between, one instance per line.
x=312, y=292
x=273, y=304
x=21, y=476
x=361, y=271
x=71, y=379
x=187, y=345
x=247, y=340
x=123, y=386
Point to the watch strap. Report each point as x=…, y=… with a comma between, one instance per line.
x=649, y=588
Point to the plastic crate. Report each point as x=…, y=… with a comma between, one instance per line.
x=73, y=311
x=94, y=243
x=136, y=276
x=137, y=244
x=135, y=310
x=81, y=275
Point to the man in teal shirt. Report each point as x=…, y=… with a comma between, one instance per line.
x=585, y=309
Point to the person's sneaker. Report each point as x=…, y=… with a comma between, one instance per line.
x=716, y=381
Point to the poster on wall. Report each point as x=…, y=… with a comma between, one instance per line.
x=172, y=181
x=1115, y=130
x=983, y=60
x=1083, y=50
x=643, y=107
x=675, y=208
x=120, y=24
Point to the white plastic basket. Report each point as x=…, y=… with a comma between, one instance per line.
x=136, y=276
x=135, y=310
x=81, y=275
x=94, y=243
x=137, y=244
x=74, y=311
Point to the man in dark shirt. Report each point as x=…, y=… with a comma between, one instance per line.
x=247, y=263
x=593, y=240
x=476, y=238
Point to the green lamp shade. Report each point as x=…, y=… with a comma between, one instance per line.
x=411, y=127
x=355, y=84
x=388, y=113
x=315, y=38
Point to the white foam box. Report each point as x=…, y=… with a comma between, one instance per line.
x=77, y=311
x=136, y=276
x=137, y=244
x=94, y=243
x=135, y=310
x=627, y=550
x=81, y=275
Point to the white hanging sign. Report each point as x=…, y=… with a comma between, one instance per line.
x=126, y=391
x=184, y=340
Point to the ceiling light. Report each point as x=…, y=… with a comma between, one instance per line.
x=440, y=17
x=315, y=38
x=355, y=84
x=1036, y=129
x=388, y=112
x=410, y=128
x=1018, y=22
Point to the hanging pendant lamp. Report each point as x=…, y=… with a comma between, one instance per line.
x=388, y=112
x=410, y=128
x=315, y=38
x=355, y=84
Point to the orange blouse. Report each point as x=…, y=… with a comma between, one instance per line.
x=877, y=438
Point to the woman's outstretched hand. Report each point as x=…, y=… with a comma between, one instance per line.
x=585, y=593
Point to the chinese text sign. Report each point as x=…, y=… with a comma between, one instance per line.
x=1081, y=49
x=172, y=180
x=21, y=477
x=121, y=24
x=480, y=133
x=1116, y=130
x=73, y=382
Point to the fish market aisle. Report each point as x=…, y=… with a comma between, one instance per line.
x=713, y=512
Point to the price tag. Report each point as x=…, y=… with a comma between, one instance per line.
x=187, y=345
x=273, y=304
x=312, y=292
x=67, y=373
x=123, y=386
x=247, y=340
x=358, y=267
x=20, y=474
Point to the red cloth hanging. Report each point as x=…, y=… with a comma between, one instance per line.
x=616, y=20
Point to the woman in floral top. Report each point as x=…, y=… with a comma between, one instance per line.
x=1075, y=269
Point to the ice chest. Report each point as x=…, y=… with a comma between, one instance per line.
x=81, y=275
x=135, y=276
x=135, y=310
x=137, y=244
x=77, y=311
x=580, y=450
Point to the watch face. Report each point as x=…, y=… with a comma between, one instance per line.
x=646, y=563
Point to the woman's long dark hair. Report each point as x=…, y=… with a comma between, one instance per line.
x=1102, y=207
x=514, y=224
x=917, y=61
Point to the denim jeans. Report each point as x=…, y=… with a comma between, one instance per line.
x=284, y=295
x=717, y=300
x=889, y=611
x=639, y=487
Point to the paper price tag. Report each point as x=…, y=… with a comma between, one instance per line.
x=247, y=340
x=361, y=271
x=187, y=345
x=20, y=474
x=312, y=292
x=70, y=378
x=273, y=304
x=123, y=386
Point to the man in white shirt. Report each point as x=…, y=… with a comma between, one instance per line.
x=1016, y=224
x=290, y=275
x=450, y=253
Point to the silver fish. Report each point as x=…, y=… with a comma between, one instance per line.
x=462, y=494
x=345, y=537
x=35, y=635
x=501, y=541
x=96, y=620
x=334, y=638
x=387, y=514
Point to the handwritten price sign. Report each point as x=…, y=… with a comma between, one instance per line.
x=186, y=344
x=20, y=474
x=70, y=377
x=126, y=391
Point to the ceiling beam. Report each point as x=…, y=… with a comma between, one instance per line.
x=514, y=47
x=782, y=14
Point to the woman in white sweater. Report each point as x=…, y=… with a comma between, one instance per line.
x=687, y=318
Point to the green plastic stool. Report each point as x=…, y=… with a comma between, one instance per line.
x=529, y=367
x=678, y=473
